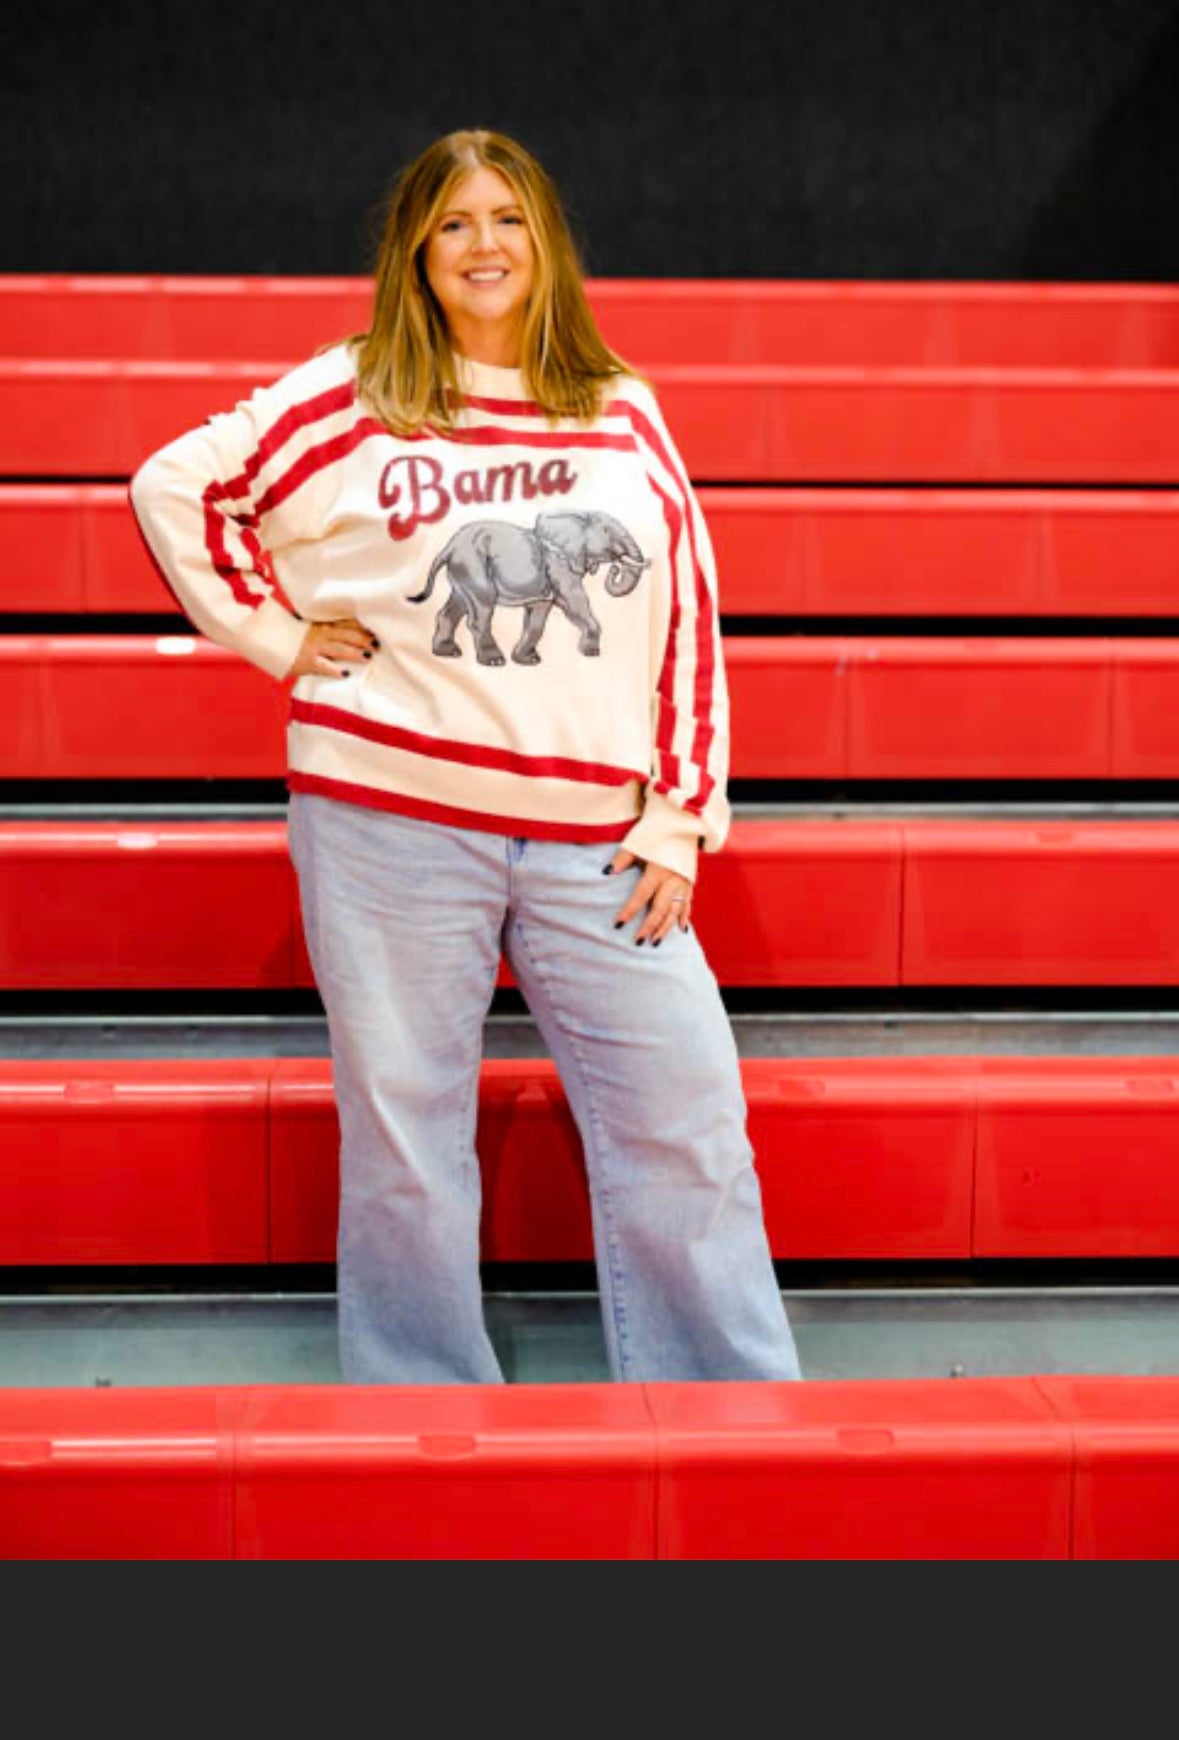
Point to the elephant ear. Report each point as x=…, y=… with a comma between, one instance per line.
x=564, y=531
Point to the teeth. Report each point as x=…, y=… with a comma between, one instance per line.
x=486, y=277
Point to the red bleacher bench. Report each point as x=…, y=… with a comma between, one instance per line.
x=977, y=1468
x=68, y=547
x=166, y=1161
x=763, y=423
x=822, y=898
x=788, y=902
x=814, y=321
x=934, y=707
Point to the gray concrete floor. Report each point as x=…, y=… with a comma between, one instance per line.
x=838, y=1032
x=138, y=1340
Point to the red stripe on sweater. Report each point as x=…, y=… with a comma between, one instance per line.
x=315, y=459
x=669, y=765
x=223, y=563
x=215, y=516
x=296, y=417
x=480, y=820
x=501, y=407
x=489, y=434
x=705, y=618
x=469, y=754
x=272, y=440
x=520, y=407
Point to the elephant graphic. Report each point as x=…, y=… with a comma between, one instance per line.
x=492, y=562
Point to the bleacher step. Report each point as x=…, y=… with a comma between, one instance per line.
x=130, y=1341
x=830, y=1033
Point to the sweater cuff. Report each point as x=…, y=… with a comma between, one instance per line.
x=272, y=638
x=666, y=835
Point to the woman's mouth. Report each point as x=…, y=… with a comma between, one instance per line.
x=486, y=275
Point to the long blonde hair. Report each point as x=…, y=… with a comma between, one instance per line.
x=405, y=364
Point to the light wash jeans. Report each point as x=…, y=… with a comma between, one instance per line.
x=405, y=921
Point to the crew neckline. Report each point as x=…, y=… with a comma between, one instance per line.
x=481, y=374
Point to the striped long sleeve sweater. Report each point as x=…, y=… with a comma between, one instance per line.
x=544, y=597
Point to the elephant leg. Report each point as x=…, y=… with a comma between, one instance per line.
x=486, y=650
x=535, y=616
x=445, y=623
x=577, y=608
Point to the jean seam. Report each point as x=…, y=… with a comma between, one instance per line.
x=617, y=1286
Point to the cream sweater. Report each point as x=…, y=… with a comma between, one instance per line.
x=544, y=597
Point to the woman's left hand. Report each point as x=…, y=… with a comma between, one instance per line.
x=667, y=894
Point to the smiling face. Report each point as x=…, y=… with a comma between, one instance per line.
x=479, y=260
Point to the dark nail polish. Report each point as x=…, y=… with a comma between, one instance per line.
x=639, y=941
x=607, y=869
x=657, y=942
x=368, y=655
x=618, y=923
x=345, y=673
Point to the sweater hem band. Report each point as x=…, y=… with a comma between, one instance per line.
x=520, y=827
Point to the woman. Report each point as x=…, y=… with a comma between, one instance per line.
x=467, y=539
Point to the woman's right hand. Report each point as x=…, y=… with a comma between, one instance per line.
x=329, y=648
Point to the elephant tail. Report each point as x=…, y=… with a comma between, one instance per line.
x=440, y=561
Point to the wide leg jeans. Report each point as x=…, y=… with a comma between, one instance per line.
x=405, y=921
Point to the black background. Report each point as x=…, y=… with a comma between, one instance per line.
x=808, y=138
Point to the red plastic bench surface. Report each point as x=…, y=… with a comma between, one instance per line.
x=171, y=706
x=235, y=1160
x=649, y=320
x=873, y=425
x=118, y=1474
x=1144, y=722
x=171, y=905
x=797, y=902
x=213, y=903
x=944, y=708
x=803, y=707
x=880, y=552
x=856, y=1159
x=944, y=552
x=1126, y=1459
x=804, y=903
x=1051, y=903
x=149, y=1160
x=970, y=1469
x=1077, y=1157
x=857, y=708
x=1022, y=1468
x=732, y=423
x=934, y=707
x=468, y=1472
x=964, y=1469
x=74, y=547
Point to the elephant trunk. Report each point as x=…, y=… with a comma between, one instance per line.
x=623, y=577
